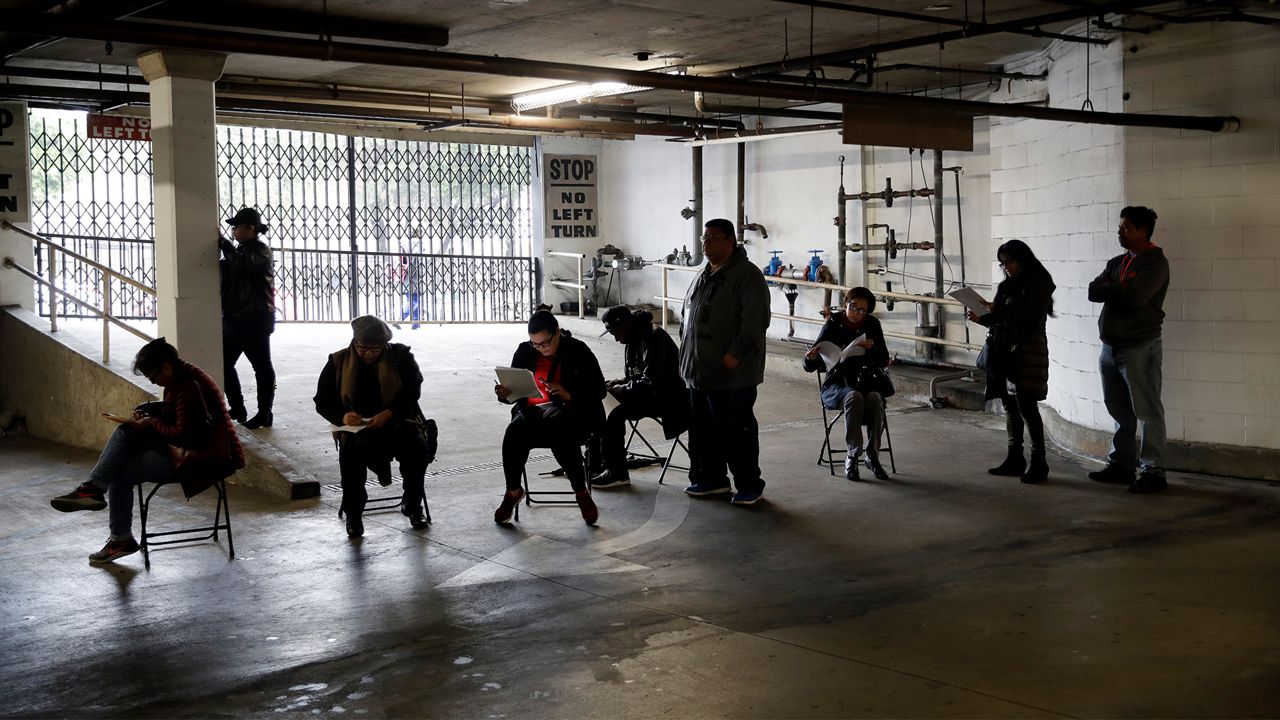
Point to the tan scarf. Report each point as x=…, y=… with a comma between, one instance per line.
x=347, y=363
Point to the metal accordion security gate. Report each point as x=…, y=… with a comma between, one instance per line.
x=406, y=230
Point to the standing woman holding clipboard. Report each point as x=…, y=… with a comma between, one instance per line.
x=1018, y=355
x=570, y=404
x=857, y=384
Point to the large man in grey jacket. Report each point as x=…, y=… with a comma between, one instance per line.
x=726, y=312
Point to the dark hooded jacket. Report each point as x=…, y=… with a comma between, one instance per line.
x=652, y=374
x=1017, y=338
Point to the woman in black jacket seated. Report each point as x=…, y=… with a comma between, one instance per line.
x=857, y=384
x=570, y=406
x=1018, y=355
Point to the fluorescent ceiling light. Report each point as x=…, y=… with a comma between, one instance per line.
x=572, y=93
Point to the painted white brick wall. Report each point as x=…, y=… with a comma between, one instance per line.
x=1218, y=200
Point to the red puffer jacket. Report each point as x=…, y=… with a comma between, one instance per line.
x=203, y=445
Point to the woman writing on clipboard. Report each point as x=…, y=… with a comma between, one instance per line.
x=561, y=417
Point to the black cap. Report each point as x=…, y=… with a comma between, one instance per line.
x=248, y=216
x=615, y=317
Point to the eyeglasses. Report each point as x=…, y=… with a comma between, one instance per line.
x=857, y=310
x=369, y=348
x=542, y=345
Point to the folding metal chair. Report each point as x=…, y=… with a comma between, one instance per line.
x=210, y=532
x=530, y=495
x=393, y=502
x=652, y=456
x=827, y=455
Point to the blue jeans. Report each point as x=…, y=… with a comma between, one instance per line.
x=131, y=457
x=1131, y=380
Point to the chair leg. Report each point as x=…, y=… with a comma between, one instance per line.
x=226, y=507
x=142, y=519
x=670, y=454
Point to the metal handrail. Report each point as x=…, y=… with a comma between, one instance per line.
x=665, y=298
x=107, y=275
x=579, y=286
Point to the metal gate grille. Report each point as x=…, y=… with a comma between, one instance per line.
x=438, y=232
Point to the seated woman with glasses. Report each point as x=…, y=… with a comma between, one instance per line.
x=187, y=437
x=570, y=406
x=857, y=383
x=374, y=384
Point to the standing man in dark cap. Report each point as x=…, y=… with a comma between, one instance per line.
x=374, y=384
x=650, y=387
x=248, y=314
x=726, y=314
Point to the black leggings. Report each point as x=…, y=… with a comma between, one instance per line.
x=249, y=335
x=1020, y=410
x=531, y=429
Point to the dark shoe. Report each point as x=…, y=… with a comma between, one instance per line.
x=508, y=505
x=1148, y=482
x=1013, y=466
x=1037, y=471
x=703, y=490
x=747, y=498
x=355, y=526
x=609, y=479
x=590, y=513
x=85, y=497
x=851, y=470
x=1112, y=474
x=113, y=550
x=239, y=414
x=261, y=420
x=418, y=520
x=873, y=464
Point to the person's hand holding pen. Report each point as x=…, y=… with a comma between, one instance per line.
x=503, y=393
x=352, y=419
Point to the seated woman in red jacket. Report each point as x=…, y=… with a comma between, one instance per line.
x=569, y=409
x=187, y=437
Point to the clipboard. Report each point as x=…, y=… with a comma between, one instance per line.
x=116, y=418
x=519, y=381
x=971, y=300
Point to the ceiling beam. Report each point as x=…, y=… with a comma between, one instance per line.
x=230, y=42
x=111, y=11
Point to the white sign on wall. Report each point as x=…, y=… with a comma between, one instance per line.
x=15, y=171
x=572, y=210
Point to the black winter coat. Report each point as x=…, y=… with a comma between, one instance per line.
x=652, y=374
x=845, y=375
x=246, y=277
x=1017, y=338
x=579, y=373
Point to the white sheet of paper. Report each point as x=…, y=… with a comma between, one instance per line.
x=519, y=381
x=350, y=428
x=971, y=300
x=832, y=355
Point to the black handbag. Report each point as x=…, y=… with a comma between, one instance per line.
x=872, y=379
x=994, y=350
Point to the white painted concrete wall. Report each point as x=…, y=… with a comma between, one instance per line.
x=791, y=189
x=1061, y=187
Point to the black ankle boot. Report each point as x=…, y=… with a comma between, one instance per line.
x=261, y=420
x=1013, y=465
x=238, y=413
x=1038, y=470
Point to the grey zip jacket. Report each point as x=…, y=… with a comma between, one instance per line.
x=725, y=312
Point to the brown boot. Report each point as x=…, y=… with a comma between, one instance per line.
x=508, y=506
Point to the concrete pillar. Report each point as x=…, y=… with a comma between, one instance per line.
x=189, y=305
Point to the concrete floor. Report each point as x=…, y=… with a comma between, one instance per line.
x=943, y=592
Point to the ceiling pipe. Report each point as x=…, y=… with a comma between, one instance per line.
x=940, y=20
x=712, y=124
x=233, y=42
x=840, y=56
x=298, y=22
x=943, y=70
x=699, y=103
x=102, y=99
x=22, y=46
